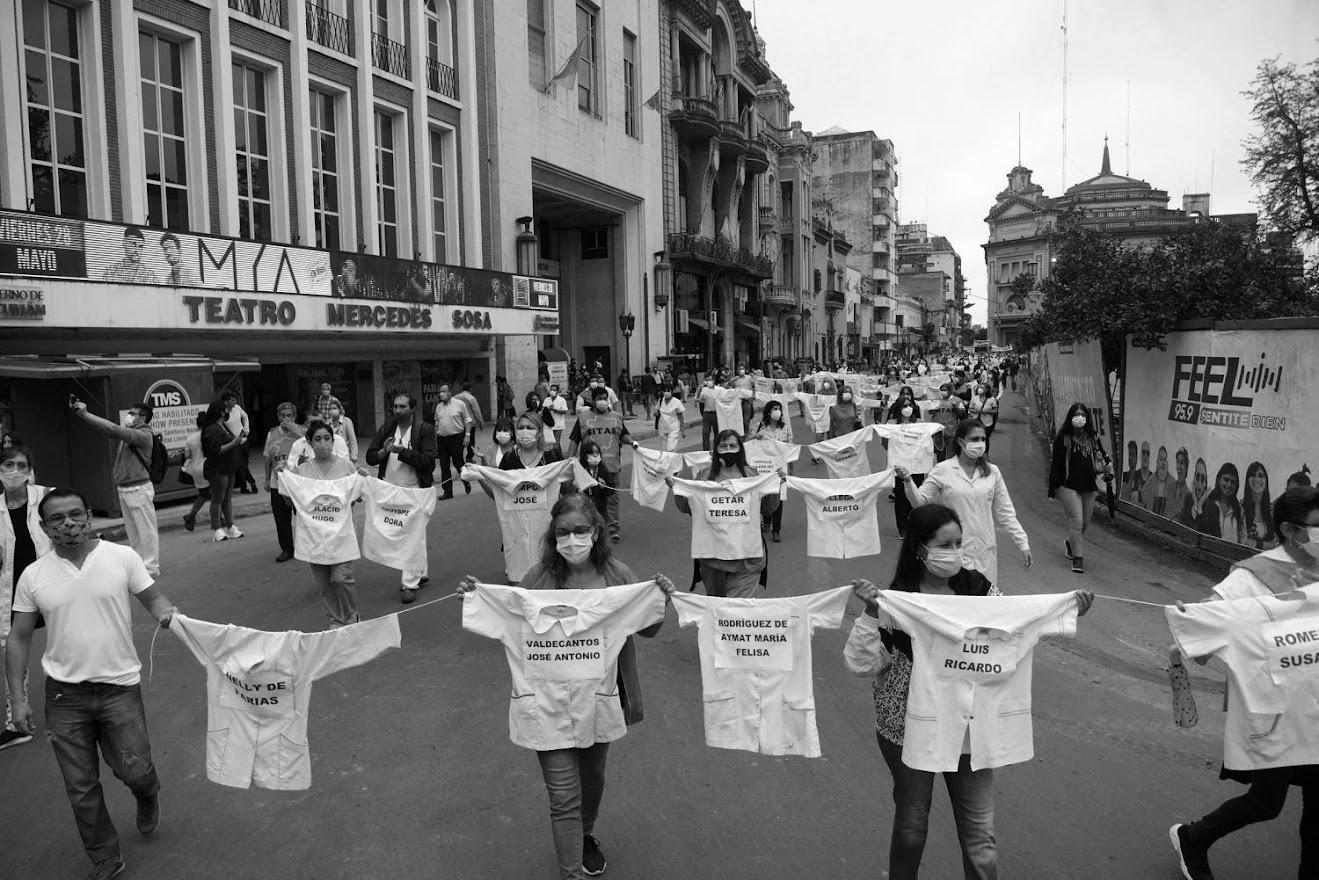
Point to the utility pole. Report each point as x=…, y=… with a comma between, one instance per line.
x=1064, y=156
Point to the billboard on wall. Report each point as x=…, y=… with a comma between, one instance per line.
x=364, y=276
x=1215, y=424
x=1075, y=374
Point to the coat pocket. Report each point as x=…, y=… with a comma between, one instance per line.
x=720, y=710
x=293, y=760
x=799, y=722
x=217, y=751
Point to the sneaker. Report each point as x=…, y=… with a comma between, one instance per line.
x=425, y=579
x=284, y=556
x=616, y=538
x=9, y=738
x=775, y=538
x=1192, y=859
x=1067, y=546
x=234, y=532
x=220, y=535
x=409, y=596
x=593, y=860
x=1077, y=566
x=107, y=868
x=189, y=521
x=148, y=815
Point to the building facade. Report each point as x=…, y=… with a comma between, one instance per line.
x=930, y=275
x=856, y=185
x=1023, y=217
x=301, y=184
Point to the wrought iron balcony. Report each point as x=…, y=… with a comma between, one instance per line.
x=779, y=296
x=441, y=78
x=834, y=300
x=685, y=247
x=329, y=30
x=389, y=56
x=269, y=11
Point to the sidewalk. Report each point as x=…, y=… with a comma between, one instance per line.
x=169, y=514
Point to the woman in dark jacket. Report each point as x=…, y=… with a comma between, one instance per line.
x=222, y=451
x=1078, y=460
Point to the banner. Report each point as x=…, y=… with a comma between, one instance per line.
x=1215, y=424
x=364, y=276
x=1076, y=375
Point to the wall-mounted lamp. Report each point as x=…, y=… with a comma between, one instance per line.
x=663, y=279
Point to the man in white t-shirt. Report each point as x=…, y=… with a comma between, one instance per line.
x=93, y=690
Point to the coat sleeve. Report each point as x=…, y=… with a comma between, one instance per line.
x=422, y=459
x=377, y=442
x=1006, y=515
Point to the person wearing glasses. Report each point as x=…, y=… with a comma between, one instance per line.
x=404, y=451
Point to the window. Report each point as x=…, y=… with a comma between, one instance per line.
x=439, y=222
x=898, y=320
x=386, y=186
x=252, y=151
x=785, y=194
x=595, y=243
x=629, y=84
x=53, y=58
x=380, y=17
x=325, y=170
x=586, y=91
x=537, y=73
x=164, y=135
x=439, y=54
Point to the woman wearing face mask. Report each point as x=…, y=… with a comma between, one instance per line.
x=23, y=542
x=735, y=578
x=343, y=427
x=949, y=412
x=904, y=411
x=843, y=417
x=591, y=458
x=1221, y=515
x=335, y=579
x=774, y=425
x=530, y=447
x=1078, y=460
x=501, y=443
x=1256, y=506
x=669, y=420
x=1292, y=564
x=576, y=555
x=975, y=489
x=984, y=406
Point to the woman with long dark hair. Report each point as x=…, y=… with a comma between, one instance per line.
x=576, y=555
x=843, y=415
x=1222, y=516
x=1078, y=460
x=1256, y=506
x=223, y=450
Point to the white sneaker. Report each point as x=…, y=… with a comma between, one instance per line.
x=234, y=533
x=220, y=535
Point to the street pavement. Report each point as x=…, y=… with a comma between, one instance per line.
x=414, y=775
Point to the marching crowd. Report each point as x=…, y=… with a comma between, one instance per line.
x=559, y=515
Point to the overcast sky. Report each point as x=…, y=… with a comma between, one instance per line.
x=945, y=82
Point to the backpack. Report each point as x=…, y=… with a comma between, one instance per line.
x=159, y=459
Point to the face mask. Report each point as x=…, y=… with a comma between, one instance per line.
x=593, y=460
x=709, y=383
x=942, y=562
x=975, y=450
x=847, y=398
x=943, y=394
x=69, y=533
x=13, y=479
x=576, y=549
x=1078, y=422
x=906, y=412
x=1308, y=541
x=503, y=437
x=526, y=436
x=728, y=459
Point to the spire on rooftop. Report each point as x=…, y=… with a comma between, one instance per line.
x=1107, y=166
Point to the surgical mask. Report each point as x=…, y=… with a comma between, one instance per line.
x=602, y=405
x=847, y=398
x=906, y=412
x=576, y=549
x=728, y=459
x=13, y=479
x=526, y=435
x=943, y=394
x=1078, y=422
x=593, y=460
x=943, y=562
x=70, y=532
x=1310, y=543
x=975, y=449
x=502, y=437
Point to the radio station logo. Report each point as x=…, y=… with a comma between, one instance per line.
x=1222, y=392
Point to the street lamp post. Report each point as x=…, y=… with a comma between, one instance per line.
x=627, y=322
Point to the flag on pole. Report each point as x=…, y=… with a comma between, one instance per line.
x=653, y=102
x=570, y=66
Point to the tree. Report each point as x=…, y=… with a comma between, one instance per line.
x=1283, y=156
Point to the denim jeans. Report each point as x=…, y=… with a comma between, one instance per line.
x=80, y=717
x=575, y=782
x=1262, y=802
x=1078, y=506
x=972, y=795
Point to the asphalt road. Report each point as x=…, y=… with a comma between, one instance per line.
x=414, y=775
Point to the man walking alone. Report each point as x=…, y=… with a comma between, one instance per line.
x=404, y=450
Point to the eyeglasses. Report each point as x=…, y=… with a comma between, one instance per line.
x=11, y=466
x=579, y=531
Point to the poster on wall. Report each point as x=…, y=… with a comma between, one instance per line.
x=1076, y=375
x=139, y=255
x=1216, y=424
x=309, y=378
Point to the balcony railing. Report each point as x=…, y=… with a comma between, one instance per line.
x=269, y=11
x=441, y=78
x=389, y=56
x=779, y=295
x=834, y=299
x=684, y=245
x=329, y=30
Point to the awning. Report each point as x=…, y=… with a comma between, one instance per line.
x=697, y=322
x=73, y=368
x=554, y=354
x=749, y=326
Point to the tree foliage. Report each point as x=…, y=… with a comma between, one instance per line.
x=1282, y=157
x=1099, y=287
